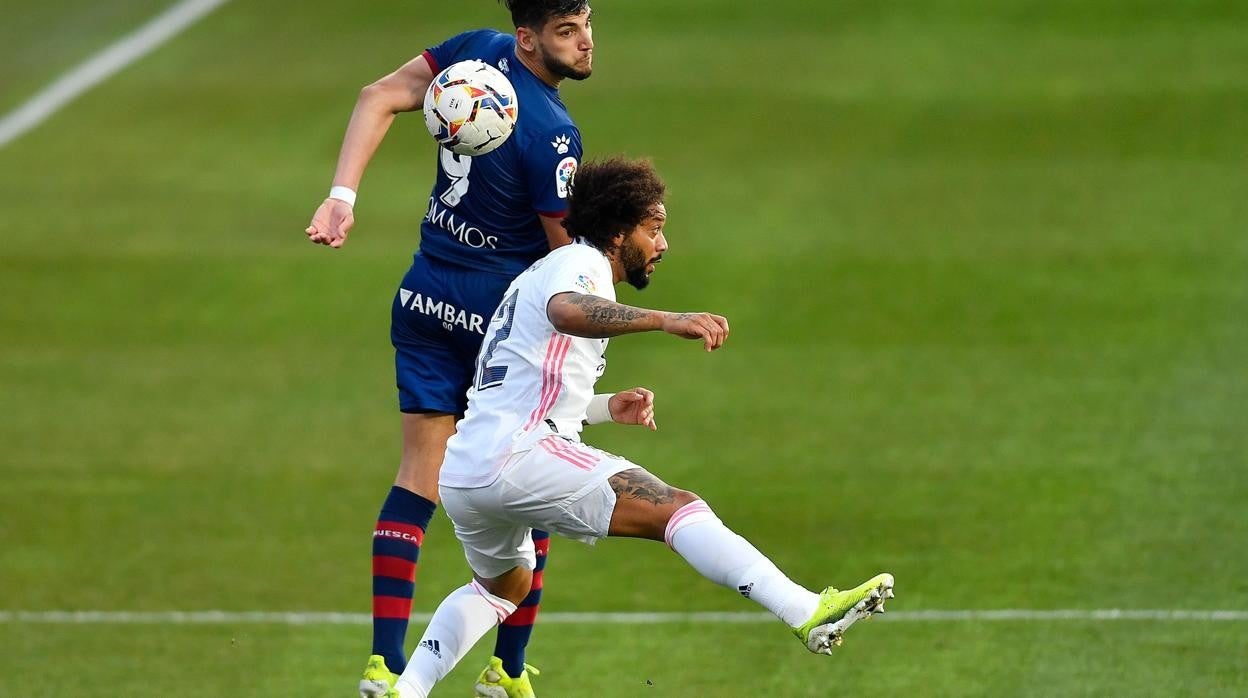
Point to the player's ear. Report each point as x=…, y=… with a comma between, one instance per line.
x=617, y=240
x=526, y=39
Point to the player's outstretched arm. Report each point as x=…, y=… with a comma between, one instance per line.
x=584, y=315
x=400, y=91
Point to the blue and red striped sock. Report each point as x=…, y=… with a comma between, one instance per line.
x=514, y=633
x=396, y=546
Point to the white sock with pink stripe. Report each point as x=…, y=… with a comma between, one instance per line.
x=463, y=617
x=727, y=559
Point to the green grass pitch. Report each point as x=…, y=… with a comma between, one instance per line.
x=986, y=265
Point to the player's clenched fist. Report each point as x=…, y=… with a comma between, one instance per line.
x=633, y=406
x=331, y=223
x=711, y=329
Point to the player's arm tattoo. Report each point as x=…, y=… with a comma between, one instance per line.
x=636, y=483
x=603, y=313
x=598, y=317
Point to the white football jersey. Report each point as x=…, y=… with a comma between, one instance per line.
x=531, y=379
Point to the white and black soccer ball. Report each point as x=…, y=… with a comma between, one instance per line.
x=471, y=108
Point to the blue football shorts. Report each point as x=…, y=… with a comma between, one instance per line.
x=437, y=322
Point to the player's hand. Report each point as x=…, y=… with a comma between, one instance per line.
x=331, y=223
x=633, y=406
x=711, y=329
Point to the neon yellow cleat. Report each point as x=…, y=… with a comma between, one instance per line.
x=495, y=683
x=378, y=681
x=840, y=609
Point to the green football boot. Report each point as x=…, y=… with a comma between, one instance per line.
x=495, y=683
x=378, y=681
x=838, y=610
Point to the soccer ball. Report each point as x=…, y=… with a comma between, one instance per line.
x=470, y=108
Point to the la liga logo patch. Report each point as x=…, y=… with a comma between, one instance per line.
x=586, y=283
x=564, y=172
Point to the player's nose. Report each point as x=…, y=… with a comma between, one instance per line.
x=660, y=243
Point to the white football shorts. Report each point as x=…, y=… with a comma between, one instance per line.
x=559, y=485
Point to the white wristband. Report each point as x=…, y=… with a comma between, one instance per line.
x=346, y=194
x=599, y=411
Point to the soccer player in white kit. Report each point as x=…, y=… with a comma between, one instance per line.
x=516, y=461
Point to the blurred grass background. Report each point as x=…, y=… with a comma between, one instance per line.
x=985, y=264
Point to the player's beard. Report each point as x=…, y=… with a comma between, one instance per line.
x=634, y=261
x=565, y=70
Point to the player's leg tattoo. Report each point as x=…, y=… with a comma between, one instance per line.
x=644, y=504
x=636, y=483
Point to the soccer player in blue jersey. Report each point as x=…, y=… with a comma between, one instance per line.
x=488, y=218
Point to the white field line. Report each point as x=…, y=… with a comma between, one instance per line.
x=102, y=66
x=623, y=618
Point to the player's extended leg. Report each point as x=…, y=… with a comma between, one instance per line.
x=397, y=539
x=646, y=507
x=460, y=621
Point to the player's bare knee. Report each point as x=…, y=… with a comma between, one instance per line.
x=424, y=446
x=645, y=504
x=682, y=497
x=679, y=499
x=418, y=477
x=512, y=585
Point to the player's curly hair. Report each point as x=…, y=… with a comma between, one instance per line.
x=611, y=197
x=534, y=14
